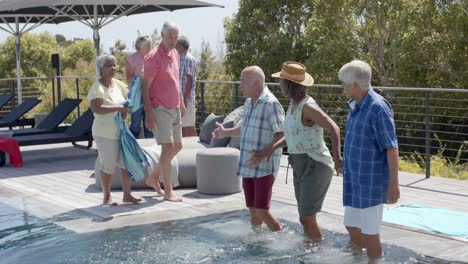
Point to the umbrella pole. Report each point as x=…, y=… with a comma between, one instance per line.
x=18, y=61
x=96, y=39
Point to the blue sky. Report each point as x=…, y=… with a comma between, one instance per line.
x=197, y=24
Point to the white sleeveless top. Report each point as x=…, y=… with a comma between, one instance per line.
x=303, y=139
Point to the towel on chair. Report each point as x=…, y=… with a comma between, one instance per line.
x=11, y=146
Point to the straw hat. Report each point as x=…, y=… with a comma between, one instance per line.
x=295, y=72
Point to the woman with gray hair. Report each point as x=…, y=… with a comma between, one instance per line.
x=106, y=98
x=133, y=72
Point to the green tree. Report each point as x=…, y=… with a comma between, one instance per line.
x=80, y=49
x=118, y=52
x=266, y=33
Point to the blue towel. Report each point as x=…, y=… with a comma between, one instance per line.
x=134, y=102
x=431, y=219
x=133, y=157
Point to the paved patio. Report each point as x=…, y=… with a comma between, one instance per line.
x=57, y=183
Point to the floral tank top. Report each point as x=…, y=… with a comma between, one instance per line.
x=303, y=139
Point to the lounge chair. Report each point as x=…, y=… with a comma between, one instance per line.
x=5, y=98
x=14, y=118
x=80, y=130
x=51, y=123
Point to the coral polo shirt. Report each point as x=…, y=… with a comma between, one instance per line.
x=164, y=69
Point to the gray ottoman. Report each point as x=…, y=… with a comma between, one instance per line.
x=216, y=171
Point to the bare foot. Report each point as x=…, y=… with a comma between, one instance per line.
x=108, y=201
x=153, y=183
x=130, y=199
x=172, y=197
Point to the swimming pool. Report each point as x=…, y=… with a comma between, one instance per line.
x=217, y=238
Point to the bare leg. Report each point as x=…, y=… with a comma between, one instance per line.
x=168, y=152
x=126, y=185
x=254, y=219
x=311, y=228
x=106, y=186
x=153, y=180
x=374, y=249
x=355, y=236
x=189, y=131
x=268, y=219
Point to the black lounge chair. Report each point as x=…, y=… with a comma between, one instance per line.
x=5, y=98
x=51, y=123
x=14, y=118
x=80, y=130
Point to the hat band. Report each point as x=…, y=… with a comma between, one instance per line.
x=295, y=77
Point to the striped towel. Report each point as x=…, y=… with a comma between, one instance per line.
x=134, y=102
x=133, y=157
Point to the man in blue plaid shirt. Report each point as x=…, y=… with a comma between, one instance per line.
x=262, y=127
x=370, y=164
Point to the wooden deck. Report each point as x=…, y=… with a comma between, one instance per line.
x=58, y=179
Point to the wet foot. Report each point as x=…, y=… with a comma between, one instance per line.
x=131, y=199
x=108, y=201
x=172, y=197
x=153, y=183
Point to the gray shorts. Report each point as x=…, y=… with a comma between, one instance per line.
x=311, y=182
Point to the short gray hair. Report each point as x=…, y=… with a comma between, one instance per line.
x=142, y=41
x=103, y=59
x=356, y=71
x=168, y=26
x=184, y=42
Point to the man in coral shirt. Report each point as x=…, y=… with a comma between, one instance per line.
x=164, y=105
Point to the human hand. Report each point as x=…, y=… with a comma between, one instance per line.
x=183, y=110
x=123, y=110
x=258, y=156
x=219, y=132
x=149, y=121
x=393, y=193
x=338, y=165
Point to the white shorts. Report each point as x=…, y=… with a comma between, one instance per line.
x=188, y=120
x=108, y=154
x=368, y=219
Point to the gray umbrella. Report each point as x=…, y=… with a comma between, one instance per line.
x=93, y=13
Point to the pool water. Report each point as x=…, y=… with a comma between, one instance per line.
x=217, y=238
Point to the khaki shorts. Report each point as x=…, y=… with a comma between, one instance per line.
x=168, y=128
x=311, y=182
x=108, y=154
x=188, y=120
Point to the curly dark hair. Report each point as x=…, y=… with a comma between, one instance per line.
x=293, y=90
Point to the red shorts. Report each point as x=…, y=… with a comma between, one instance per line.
x=258, y=191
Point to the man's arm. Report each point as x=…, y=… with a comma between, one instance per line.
x=145, y=93
x=129, y=72
x=393, y=193
x=188, y=88
x=221, y=131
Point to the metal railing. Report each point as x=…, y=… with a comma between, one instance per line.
x=428, y=121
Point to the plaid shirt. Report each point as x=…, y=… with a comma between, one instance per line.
x=187, y=66
x=370, y=131
x=259, y=125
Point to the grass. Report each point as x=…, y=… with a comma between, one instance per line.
x=440, y=166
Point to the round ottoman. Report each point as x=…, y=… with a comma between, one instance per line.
x=216, y=171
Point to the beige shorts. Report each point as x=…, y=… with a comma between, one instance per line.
x=188, y=120
x=168, y=125
x=108, y=154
